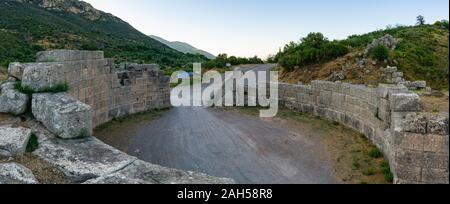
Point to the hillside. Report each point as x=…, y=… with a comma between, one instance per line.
x=421, y=53
x=28, y=26
x=183, y=47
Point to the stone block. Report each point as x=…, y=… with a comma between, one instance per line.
x=12, y=101
x=39, y=76
x=13, y=173
x=63, y=115
x=68, y=55
x=140, y=172
x=13, y=141
x=435, y=176
x=415, y=123
x=436, y=143
x=405, y=102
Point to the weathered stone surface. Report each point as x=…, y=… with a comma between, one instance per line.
x=80, y=159
x=385, y=89
x=141, y=172
x=419, y=84
x=405, y=102
x=415, y=123
x=389, y=70
x=388, y=40
x=68, y=55
x=11, y=100
x=13, y=141
x=15, y=69
x=62, y=115
x=438, y=125
x=39, y=76
x=12, y=173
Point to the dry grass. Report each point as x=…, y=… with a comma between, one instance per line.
x=434, y=104
x=322, y=71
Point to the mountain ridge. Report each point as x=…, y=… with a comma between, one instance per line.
x=73, y=24
x=183, y=47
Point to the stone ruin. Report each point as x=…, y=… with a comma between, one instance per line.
x=416, y=145
x=63, y=122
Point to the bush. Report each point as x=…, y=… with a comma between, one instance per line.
x=380, y=53
x=314, y=48
x=375, y=153
x=33, y=143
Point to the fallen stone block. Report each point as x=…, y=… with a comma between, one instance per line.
x=405, y=102
x=13, y=141
x=438, y=125
x=39, y=76
x=12, y=101
x=141, y=172
x=12, y=173
x=15, y=69
x=415, y=123
x=81, y=159
x=63, y=115
x=385, y=89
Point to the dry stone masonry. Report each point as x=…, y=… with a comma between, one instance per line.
x=64, y=121
x=417, y=147
x=93, y=80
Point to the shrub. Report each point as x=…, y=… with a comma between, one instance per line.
x=380, y=53
x=386, y=170
x=33, y=143
x=375, y=153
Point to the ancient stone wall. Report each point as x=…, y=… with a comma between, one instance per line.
x=94, y=81
x=417, y=148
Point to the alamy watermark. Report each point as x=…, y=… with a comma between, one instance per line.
x=234, y=88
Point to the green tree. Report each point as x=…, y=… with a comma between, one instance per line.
x=420, y=20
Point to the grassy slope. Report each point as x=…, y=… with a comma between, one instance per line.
x=422, y=54
x=26, y=29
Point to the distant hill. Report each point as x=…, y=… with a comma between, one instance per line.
x=29, y=26
x=421, y=54
x=183, y=47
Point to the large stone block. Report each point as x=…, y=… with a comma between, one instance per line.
x=12, y=173
x=385, y=89
x=141, y=172
x=415, y=123
x=63, y=115
x=80, y=159
x=13, y=141
x=68, y=55
x=15, y=70
x=405, y=102
x=438, y=125
x=39, y=76
x=11, y=100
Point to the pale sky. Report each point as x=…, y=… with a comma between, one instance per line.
x=260, y=27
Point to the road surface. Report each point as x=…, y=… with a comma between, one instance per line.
x=223, y=144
